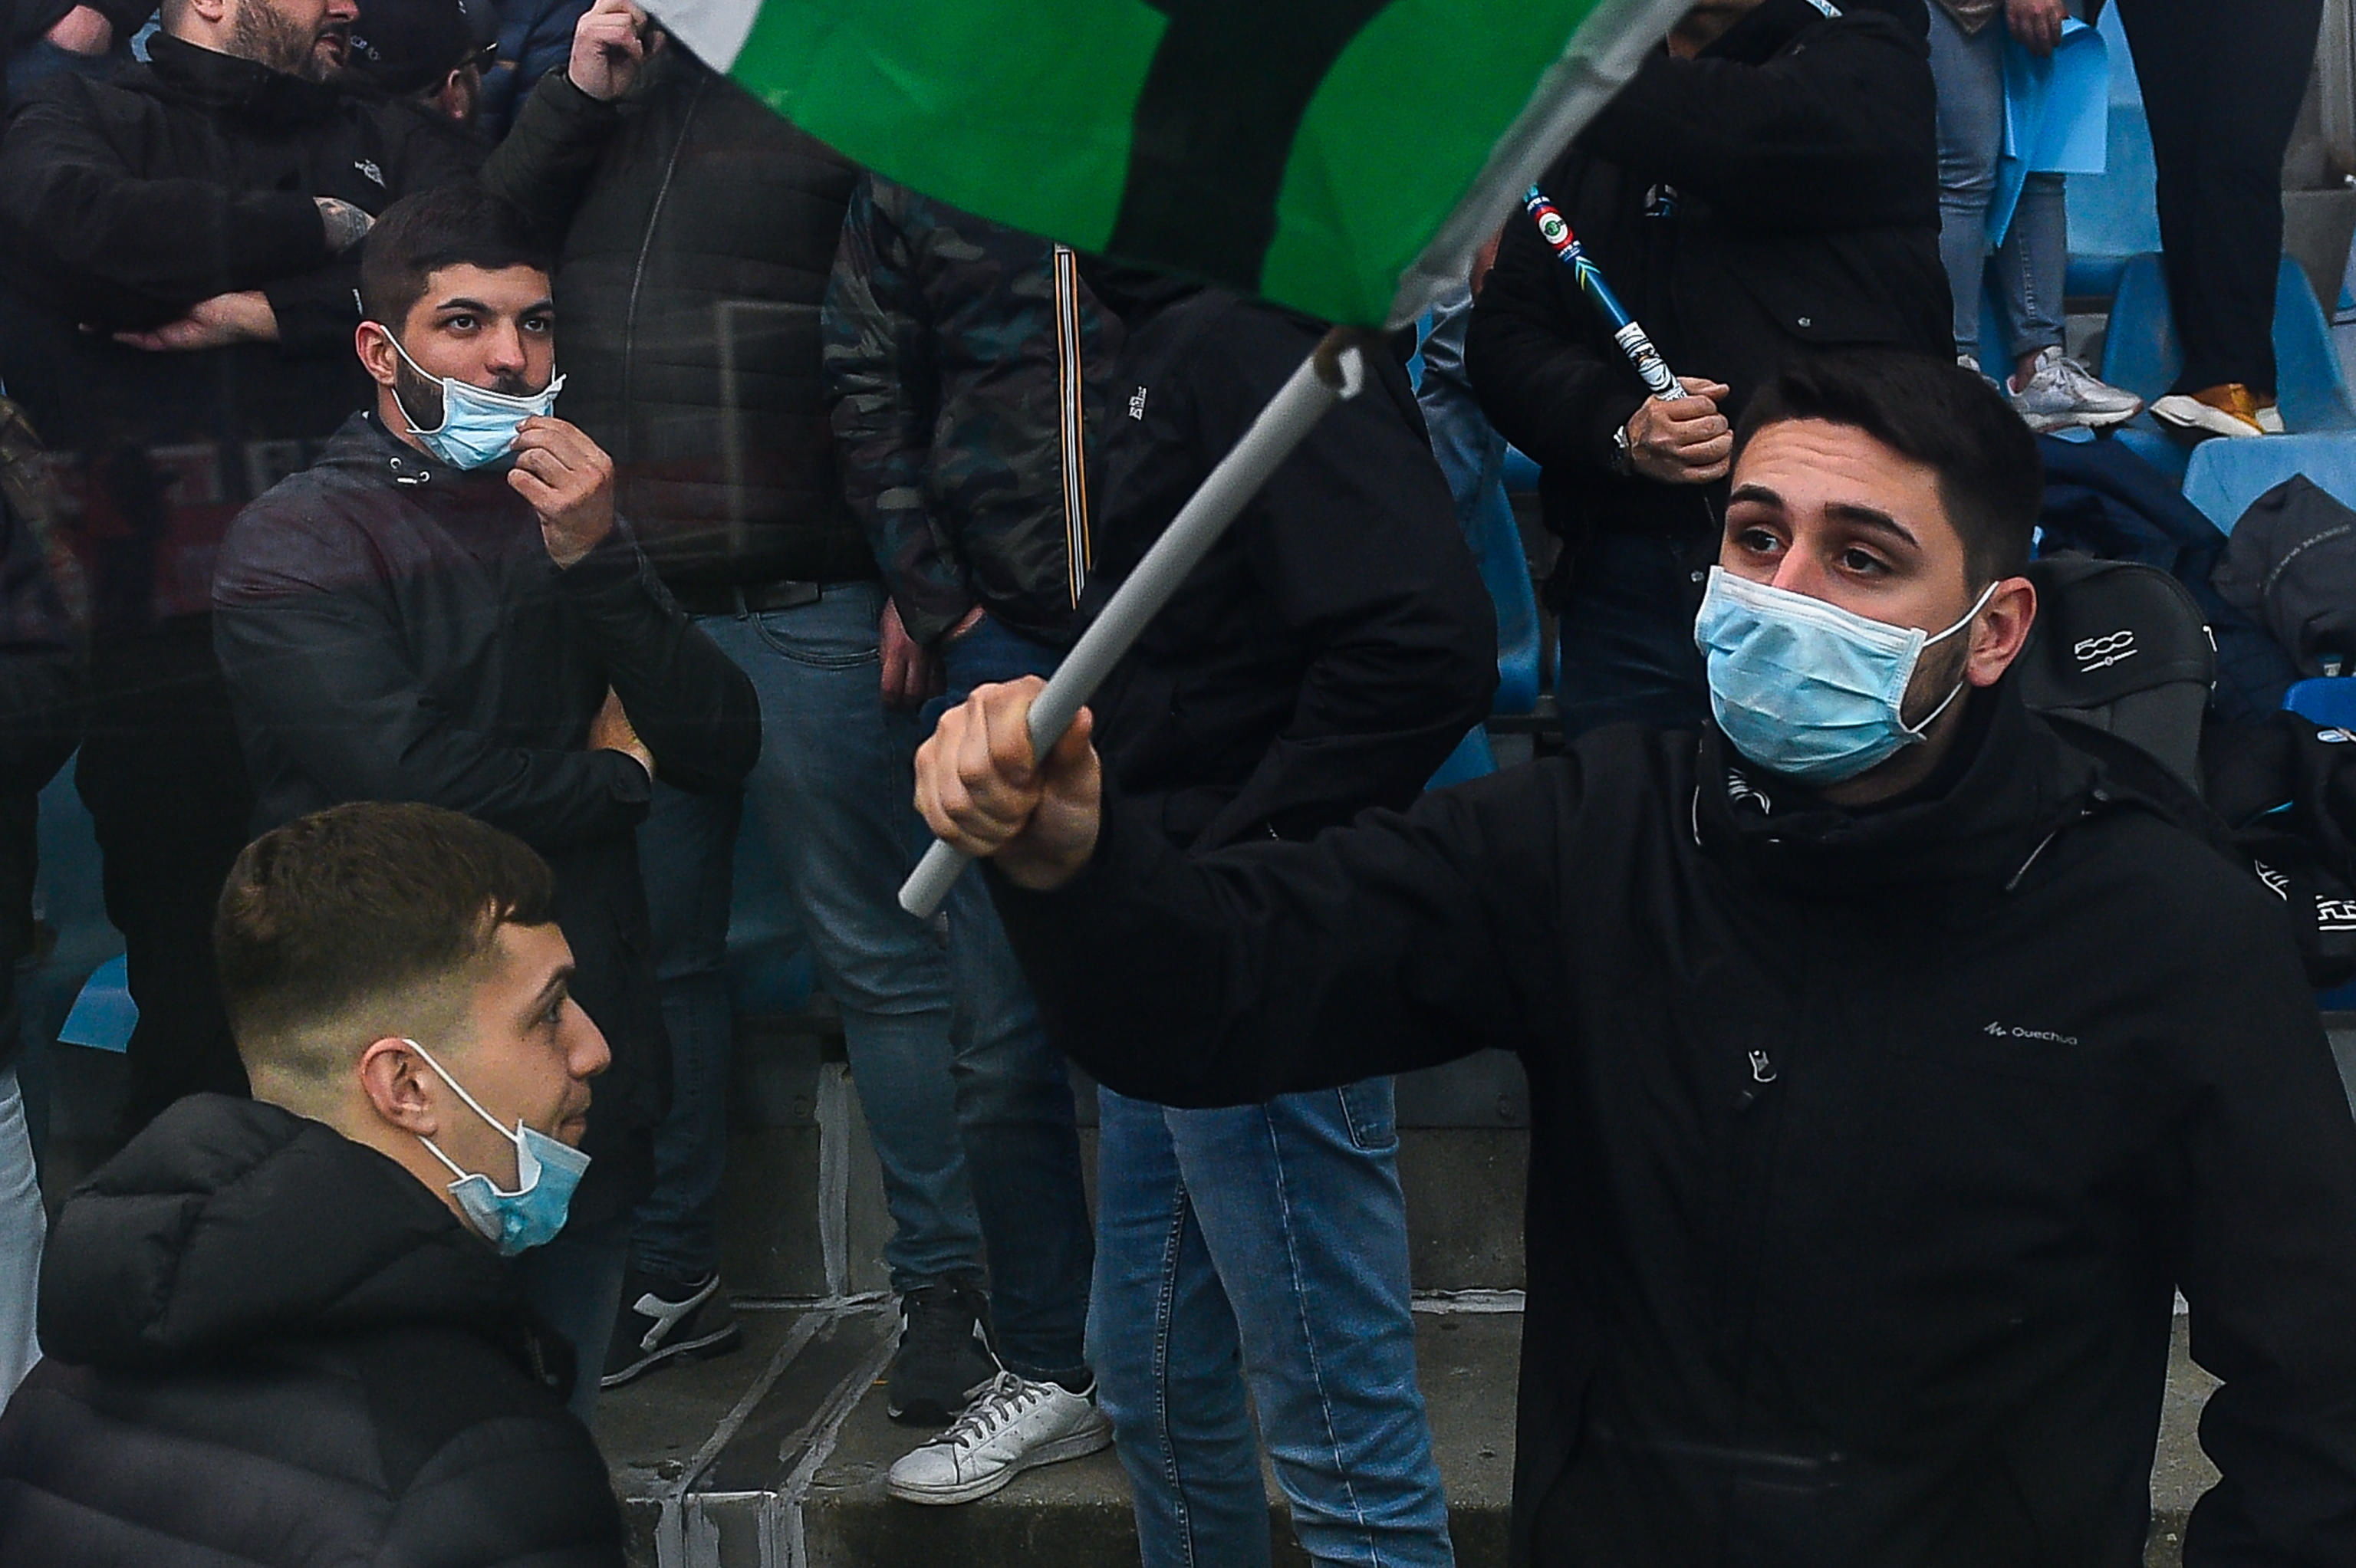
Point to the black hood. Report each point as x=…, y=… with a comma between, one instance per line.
x=1134, y=293
x=230, y=1224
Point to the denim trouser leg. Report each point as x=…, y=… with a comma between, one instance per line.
x=829, y=797
x=1014, y=1095
x=1298, y=1209
x=23, y=1226
x=1626, y=638
x=687, y=858
x=1168, y=1356
x=1969, y=72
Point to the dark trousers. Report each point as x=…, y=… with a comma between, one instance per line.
x=2221, y=85
x=166, y=784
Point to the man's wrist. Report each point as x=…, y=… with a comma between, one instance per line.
x=1623, y=454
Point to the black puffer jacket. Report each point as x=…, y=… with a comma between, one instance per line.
x=269, y=1346
x=1868, y=1150
x=1778, y=193
x=699, y=230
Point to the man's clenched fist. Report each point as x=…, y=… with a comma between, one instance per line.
x=980, y=789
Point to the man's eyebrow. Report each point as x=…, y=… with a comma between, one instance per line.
x=477, y=307
x=548, y=991
x=1874, y=518
x=1759, y=492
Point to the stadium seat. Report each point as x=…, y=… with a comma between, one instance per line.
x=2327, y=700
x=2114, y=215
x=2141, y=353
x=2224, y=476
x=1473, y=759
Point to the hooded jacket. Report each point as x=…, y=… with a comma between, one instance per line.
x=1336, y=643
x=1868, y=1152
x=698, y=230
x=1776, y=194
x=393, y=629
x=270, y=1347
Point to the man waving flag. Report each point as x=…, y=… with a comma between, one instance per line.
x=1342, y=157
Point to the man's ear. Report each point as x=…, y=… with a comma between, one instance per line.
x=211, y=13
x=394, y=1077
x=378, y=355
x=2000, y=630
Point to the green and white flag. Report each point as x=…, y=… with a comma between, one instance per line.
x=1343, y=158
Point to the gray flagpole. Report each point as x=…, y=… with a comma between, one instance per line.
x=1335, y=370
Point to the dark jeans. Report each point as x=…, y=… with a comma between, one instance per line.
x=829, y=797
x=165, y=780
x=1014, y=1092
x=2221, y=85
x=1627, y=639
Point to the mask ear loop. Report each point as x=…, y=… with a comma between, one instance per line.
x=416, y=429
x=1948, y=701
x=460, y=1090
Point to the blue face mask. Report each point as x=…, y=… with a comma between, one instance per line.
x=477, y=425
x=547, y=1172
x=1804, y=689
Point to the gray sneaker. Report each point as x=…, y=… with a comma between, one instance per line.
x=2060, y=393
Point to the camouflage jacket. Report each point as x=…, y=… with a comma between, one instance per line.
x=965, y=373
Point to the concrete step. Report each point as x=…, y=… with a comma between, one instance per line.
x=775, y=1456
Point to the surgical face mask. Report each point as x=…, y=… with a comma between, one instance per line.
x=1804, y=687
x=477, y=425
x=547, y=1171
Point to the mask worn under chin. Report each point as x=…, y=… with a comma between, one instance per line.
x=1805, y=688
x=547, y=1172
x=477, y=425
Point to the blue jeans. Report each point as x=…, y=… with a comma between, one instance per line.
x=1014, y=1092
x=1263, y=1246
x=23, y=1226
x=1626, y=638
x=2029, y=265
x=830, y=799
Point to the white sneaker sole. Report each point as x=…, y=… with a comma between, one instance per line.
x=1079, y=1445
x=2046, y=424
x=2190, y=413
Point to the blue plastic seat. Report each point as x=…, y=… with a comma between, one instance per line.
x=2224, y=476
x=2113, y=215
x=1473, y=759
x=2328, y=700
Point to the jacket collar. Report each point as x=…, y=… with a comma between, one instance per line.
x=243, y=89
x=1986, y=829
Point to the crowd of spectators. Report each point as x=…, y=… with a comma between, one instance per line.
x=465, y=466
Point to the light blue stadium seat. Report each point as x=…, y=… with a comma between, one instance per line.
x=72, y=903
x=2142, y=354
x=1497, y=546
x=2224, y=476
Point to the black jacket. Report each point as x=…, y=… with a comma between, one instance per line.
x=125, y=202
x=1337, y=642
x=394, y=630
x=1866, y=1151
x=698, y=229
x=1776, y=194
x=269, y=1346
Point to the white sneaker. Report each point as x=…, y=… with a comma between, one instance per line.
x=1016, y=1425
x=2060, y=393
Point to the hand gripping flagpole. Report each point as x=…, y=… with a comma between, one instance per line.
x=1336, y=370
x=1554, y=229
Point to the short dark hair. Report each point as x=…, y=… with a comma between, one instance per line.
x=1942, y=415
x=458, y=225
x=358, y=904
